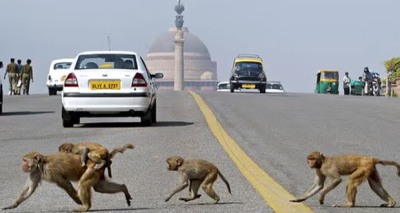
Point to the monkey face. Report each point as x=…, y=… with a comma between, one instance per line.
x=66, y=147
x=174, y=163
x=311, y=162
x=25, y=166
x=314, y=159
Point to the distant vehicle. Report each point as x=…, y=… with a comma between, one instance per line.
x=223, y=86
x=58, y=71
x=248, y=73
x=327, y=82
x=274, y=87
x=109, y=84
x=373, y=82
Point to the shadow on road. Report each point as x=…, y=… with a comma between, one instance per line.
x=26, y=113
x=134, y=124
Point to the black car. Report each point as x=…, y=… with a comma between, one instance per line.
x=248, y=73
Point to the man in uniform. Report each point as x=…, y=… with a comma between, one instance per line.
x=12, y=76
x=27, y=76
x=19, y=78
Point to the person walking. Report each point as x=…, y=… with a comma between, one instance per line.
x=19, y=78
x=27, y=76
x=346, y=83
x=11, y=71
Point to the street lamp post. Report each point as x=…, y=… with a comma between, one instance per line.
x=179, y=43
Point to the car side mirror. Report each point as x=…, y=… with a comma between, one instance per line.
x=157, y=75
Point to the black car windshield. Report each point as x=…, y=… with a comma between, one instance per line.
x=106, y=61
x=249, y=66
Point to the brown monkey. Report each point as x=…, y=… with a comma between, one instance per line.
x=195, y=173
x=358, y=167
x=94, y=151
x=61, y=168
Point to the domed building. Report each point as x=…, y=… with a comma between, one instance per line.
x=200, y=73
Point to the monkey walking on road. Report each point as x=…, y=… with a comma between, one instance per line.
x=61, y=169
x=358, y=168
x=195, y=173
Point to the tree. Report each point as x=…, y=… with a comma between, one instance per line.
x=393, y=68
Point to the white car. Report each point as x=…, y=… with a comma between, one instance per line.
x=109, y=84
x=274, y=87
x=58, y=71
x=223, y=86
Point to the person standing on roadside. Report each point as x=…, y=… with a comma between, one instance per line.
x=27, y=76
x=12, y=72
x=346, y=83
x=19, y=78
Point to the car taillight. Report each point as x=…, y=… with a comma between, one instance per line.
x=139, y=81
x=71, y=80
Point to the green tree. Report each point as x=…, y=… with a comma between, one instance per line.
x=393, y=68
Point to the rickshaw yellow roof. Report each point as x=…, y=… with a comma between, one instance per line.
x=248, y=60
x=327, y=70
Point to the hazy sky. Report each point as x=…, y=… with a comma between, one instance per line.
x=294, y=37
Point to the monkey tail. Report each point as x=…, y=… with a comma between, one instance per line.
x=390, y=163
x=121, y=149
x=225, y=181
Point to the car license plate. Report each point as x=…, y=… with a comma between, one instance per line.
x=248, y=86
x=105, y=85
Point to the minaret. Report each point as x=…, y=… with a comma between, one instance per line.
x=178, y=79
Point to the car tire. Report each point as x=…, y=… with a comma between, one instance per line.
x=232, y=89
x=76, y=119
x=146, y=119
x=67, y=118
x=154, y=113
x=262, y=89
x=52, y=91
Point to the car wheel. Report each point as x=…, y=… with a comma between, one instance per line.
x=146, y=118
x=154, y=113
x=52, y=91
x=262, y=89
x=76, y=119
x=232, y=89
x=67, y=118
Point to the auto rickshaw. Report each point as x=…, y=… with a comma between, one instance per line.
x=327, y=82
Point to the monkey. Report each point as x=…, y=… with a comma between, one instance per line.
x=358, y=168
x=195, y=173
x=61, y=169
x=94, y=151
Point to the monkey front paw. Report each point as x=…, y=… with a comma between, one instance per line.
x=390, y=205
x=9, y=207
x=321, y=201
x=298, y=200
x=189, y=198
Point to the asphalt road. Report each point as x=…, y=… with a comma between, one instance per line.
x=276, y=131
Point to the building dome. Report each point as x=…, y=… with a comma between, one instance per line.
x=164, y=46
x=197, y=60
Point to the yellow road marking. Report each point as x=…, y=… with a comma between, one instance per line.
x=271, y=191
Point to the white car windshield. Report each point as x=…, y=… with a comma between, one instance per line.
x=62, y=65
x=106, y=61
